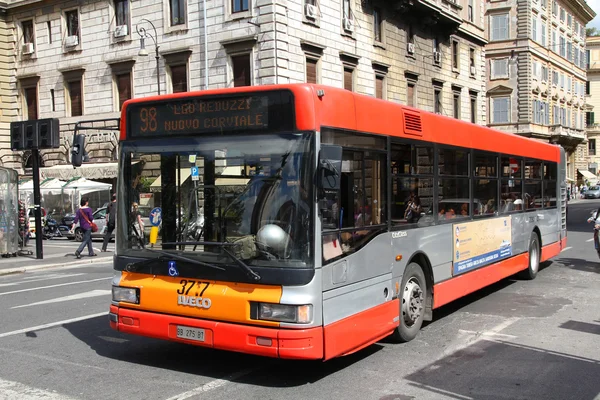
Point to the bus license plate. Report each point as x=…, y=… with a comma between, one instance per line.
x=185, y=332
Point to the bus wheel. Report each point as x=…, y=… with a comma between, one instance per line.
x=534, y=258
x=412, y=303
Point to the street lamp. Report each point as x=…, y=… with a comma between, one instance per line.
x=143, y=52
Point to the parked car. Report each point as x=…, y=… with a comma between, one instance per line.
x=99, y=219
x=592, y=193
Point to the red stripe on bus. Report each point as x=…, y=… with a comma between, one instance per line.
x=455, y=288
x=563, y=243
x=551, y=250
x=358, y=331
x=285, y=343
x=459, y=286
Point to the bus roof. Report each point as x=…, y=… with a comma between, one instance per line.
x=318, y=106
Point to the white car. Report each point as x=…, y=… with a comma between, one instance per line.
x=99, y=220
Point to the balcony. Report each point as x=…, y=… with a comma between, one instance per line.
x=567, y=137
x=445, y=14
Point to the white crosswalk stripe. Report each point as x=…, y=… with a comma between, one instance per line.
x=16, y=391
x=85, y=295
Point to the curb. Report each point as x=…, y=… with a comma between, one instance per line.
x=20, y=270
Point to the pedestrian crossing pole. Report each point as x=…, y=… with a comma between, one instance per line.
x=37, y=199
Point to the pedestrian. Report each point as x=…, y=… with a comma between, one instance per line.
x=85, y=217
x=137, y=225
x=111, y=215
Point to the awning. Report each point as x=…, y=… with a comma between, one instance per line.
x=156, y=185
x=91, y=171
x=228, y=171
x=587, y=174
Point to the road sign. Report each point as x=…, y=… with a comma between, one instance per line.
x=514, y=165
x=155, y=216
x=195, y=173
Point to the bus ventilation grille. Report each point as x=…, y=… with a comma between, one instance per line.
x=412, y=123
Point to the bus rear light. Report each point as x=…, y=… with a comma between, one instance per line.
x=285, y=313
x=126, y=295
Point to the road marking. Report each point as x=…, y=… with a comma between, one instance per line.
x=85, y=295
x=474, y=337
x=212, y=385
x=566, y=248
x=15, y=390
x=51, y=325
x=488, y=334
x=22, y=354
x=590, y=240
x=36, y=279
x=53, y=286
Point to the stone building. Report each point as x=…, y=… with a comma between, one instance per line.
x=80, y=60
x=592, y=107
x=8, y=106
x=537, y=70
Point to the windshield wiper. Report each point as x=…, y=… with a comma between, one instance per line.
x=223, y=246
x=166, y=256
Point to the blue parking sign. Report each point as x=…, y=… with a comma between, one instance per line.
x=155, y=216
x=195, y=173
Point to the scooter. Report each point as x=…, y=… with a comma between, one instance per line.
x=52, y=229
x=596, y=222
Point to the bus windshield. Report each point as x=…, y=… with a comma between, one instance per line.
x=214, y=198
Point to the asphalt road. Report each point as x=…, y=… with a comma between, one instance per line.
x=515, y=340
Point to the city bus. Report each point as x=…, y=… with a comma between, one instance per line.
x=301, y=221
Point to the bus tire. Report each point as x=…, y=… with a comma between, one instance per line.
x=534, y=258
x=412, y=303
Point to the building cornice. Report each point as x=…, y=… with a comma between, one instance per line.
x=16, y=4
x=584, y=11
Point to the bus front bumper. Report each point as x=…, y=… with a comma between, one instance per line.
x=271, y=342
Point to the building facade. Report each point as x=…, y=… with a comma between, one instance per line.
x=8, y=106
x=593, y=105
x=537, y=70
x=80, y=60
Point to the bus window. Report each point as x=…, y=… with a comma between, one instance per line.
x=361, y=205
x=412, y=183
x=405, y=190
x=511, y=191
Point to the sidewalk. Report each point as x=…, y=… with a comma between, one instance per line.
x=56, y=253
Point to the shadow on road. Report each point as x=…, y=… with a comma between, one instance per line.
x=579, y=326
x=579, y=264
x=200, y=361
x=504, y=370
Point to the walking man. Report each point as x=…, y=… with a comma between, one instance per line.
x=85, y=217
x=111, y=216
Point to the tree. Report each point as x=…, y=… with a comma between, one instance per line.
x=591, y=32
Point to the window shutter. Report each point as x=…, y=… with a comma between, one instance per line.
x=348, y=79
x=124, y=88
x=379, y=86
x=410, y=95
x=31, y=99
x=76, y=100
x=241, y=70
x=311, y=70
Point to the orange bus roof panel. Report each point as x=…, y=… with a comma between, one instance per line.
x=336, y=108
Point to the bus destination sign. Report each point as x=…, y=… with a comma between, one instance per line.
x=199, y=115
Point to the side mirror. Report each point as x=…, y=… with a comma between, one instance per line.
x=78, y=153
x=330, y=168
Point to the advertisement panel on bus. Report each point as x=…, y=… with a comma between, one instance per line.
x=480, y=243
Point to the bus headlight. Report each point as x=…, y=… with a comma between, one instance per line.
x=126, y=294
x=285, y=313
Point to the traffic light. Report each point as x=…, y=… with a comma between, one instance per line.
x=48, y=133
x=17, y=136
x=78, y=150
x=35, y=134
